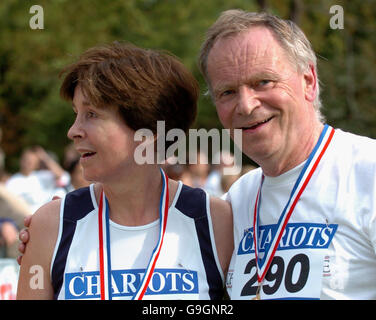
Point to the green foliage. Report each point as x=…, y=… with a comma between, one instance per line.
x=30, y=60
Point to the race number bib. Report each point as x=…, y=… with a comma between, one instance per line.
x=296, y=269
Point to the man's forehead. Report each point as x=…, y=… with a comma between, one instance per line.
x=252, y=43
x=251, y=54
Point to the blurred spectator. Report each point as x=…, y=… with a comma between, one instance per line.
x=220, y=161
x=3, y=174
x=247, y=168
x=199, y=170
x=12, y=212
x=35, y=185
x=8, y=238
x=227, y=180
x=77, y=179
x=70, y=155
x=13, y=207
x=173, y=169
x=186, y=176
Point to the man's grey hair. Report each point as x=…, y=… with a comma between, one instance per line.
x=291, y=38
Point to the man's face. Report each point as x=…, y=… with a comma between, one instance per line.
x=256, y=89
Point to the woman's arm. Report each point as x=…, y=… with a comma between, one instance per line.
x=34, y=280
x=221, y=214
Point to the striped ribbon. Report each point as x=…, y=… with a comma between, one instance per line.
x=105, y=244
x=305, y=175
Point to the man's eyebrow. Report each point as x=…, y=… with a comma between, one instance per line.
x=262, y=75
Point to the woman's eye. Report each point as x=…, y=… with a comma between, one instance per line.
x=91, y=114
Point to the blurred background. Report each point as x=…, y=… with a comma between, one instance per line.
x=32, y=113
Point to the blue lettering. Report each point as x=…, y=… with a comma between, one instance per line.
x=86, y=285
x=295, y=236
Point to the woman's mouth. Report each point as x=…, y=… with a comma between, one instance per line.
x=88, y=154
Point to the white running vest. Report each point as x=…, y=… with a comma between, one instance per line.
x=187, y=268
x=328, y=249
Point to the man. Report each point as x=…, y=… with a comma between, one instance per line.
x=305, y=221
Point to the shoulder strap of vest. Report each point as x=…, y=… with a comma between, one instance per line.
x=77, y=204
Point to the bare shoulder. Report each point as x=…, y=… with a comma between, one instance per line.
x=220, y=208
x=44, y=228
x=221, y=214
x=45, y=221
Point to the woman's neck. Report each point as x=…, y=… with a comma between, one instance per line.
x=136, y=201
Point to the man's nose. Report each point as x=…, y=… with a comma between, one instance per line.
x=247, y=100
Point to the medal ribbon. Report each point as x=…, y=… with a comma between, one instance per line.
x=305, y=175
x=105, y=244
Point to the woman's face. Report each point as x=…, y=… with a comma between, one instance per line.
x=106, y=144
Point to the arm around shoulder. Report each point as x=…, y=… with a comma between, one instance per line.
x=221, y=214
x=34, y=281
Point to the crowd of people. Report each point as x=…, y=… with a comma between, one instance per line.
x=207, y=174
x=39, y=179
x=42, y=176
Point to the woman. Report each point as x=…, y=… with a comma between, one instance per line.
x=134, y=233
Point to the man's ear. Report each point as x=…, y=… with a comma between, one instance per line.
x=310, y=83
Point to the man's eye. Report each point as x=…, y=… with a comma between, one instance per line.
x=226, y=93
x=263, y=83
x=91, y=114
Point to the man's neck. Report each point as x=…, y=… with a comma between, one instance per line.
x=276, y=166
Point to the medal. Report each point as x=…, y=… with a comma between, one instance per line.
x=257, y=296
x=105, y=245
x=305, y=175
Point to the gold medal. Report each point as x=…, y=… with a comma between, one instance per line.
x=257, y=296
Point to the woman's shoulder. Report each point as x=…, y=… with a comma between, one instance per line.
x=43, y=231
x=221, y=210
x=46, y=219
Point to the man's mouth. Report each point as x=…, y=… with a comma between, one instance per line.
x=258, y=124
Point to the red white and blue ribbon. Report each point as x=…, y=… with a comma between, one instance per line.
x=305, y=175
x=105, y=244
x=104, y=249
x=163, y=215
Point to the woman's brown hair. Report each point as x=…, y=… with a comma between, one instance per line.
x=146, y=85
